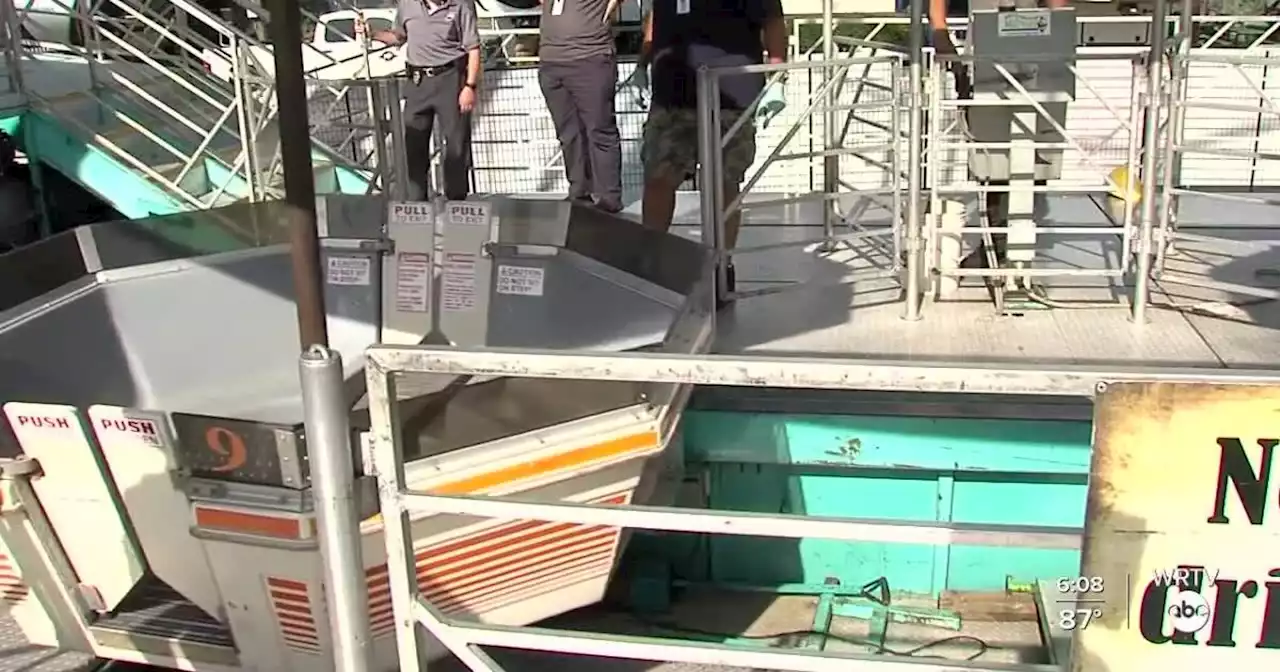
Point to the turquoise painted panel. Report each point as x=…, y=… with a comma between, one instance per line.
x=129, y=193
x=884, y=441
x=220, y=174
x=814, y=561
x=351, y=181
x=899, y=468
x=712, y=436
x=986, y=568
x=13, y=126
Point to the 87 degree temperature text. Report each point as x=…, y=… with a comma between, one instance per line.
x=1077, y=619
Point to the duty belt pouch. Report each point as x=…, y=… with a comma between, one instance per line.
x=415, y=76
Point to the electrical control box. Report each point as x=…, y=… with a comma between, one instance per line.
x=1036, y=46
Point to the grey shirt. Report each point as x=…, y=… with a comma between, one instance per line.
x=437, y=33
x=572, y=30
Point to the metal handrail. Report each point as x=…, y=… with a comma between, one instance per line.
x=10, y=34
x=256, y=92
x=205, y=108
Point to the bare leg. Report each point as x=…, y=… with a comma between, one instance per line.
x=659, y=205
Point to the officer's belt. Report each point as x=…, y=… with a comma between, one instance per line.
x=416, y=71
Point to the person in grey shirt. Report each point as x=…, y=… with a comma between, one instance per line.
x=442, y=56
x=579, y=75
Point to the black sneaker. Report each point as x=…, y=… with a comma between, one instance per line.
x=611, y=207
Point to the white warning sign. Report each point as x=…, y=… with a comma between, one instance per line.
x=521, y=280
x=413, y=273
x=353, y=271
x=1024, y=23
x=458, y=281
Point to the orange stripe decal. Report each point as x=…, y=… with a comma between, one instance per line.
x=644, y=442
x=249, y=523
x=291, y=602
x=499, y=566
x=567, y=460
x=548, y=568
x=500, y=535
x=288, y=597
x=571, y=575
x=431, y=581
x=12, y=588
x=595, y=568
x=498, y=574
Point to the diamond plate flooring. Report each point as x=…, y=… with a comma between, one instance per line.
x=798, y=307
x=16, y=655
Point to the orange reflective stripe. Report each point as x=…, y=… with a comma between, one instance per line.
x=562, y=461
x=249, y=523
x=467, y=568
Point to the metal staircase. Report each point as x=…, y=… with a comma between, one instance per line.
x=149, y=128
x=10, y=46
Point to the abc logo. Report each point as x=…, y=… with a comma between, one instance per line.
x=1188, y=611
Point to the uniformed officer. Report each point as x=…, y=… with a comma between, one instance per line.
x=442, y=53
x=579, y=76
x=680, y=37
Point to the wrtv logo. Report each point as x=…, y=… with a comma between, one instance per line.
x=1188, y=612
x=1212, y=607
x=1185, y=577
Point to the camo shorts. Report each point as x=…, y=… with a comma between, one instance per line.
x=670, y=144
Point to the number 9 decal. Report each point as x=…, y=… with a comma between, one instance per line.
x=229, y=446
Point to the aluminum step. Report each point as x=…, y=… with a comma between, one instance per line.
x=154, y=609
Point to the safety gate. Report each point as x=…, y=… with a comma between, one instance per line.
x=464, y=638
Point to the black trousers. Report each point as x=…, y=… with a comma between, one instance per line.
x=430, y=105
x=580, y=98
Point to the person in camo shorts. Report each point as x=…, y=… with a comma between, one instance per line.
x=681, y=37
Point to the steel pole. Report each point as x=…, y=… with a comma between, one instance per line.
x=1175, y=130
x=915, y=52
x=831, y=161
x=395, y=120
x=299, y=182
x=329, y=454
x=1150, y=164
x=709, y=176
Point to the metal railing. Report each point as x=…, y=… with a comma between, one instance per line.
x=844, y=95
x=1249, y=67
x=155, y=106
x=154, y=59
x=1144, y=130
x=10, y=50
x=951, y=142
x=464, y=638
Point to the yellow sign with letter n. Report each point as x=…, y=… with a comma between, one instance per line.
x=1183, y=530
